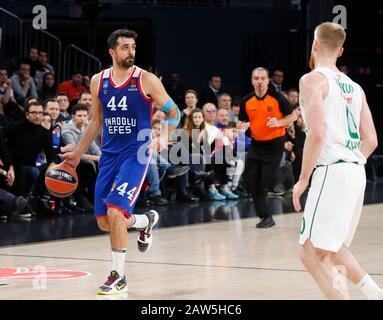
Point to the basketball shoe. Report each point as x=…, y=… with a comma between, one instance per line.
x=145, y=239
x=115, y=284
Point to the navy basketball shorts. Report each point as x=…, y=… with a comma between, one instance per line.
x=119, y=182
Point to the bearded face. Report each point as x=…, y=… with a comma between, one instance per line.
x=126, y=62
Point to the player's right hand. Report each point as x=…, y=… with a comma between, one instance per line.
x=71, y=158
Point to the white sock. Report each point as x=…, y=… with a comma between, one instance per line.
x=142, y=221
x=118, y=258
x=369, y=287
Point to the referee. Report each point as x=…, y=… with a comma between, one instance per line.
x=266, y=113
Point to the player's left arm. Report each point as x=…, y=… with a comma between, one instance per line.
x=154, y=88
x=313, y=90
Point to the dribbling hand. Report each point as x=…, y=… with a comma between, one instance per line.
x=71, y=159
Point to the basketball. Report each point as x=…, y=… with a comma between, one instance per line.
x=61, y=181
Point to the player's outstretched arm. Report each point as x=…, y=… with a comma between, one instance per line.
x=94, y=126
x=368, y=135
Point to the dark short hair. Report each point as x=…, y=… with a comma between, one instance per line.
x=79, y=107
x=61, y=94
x=155, y=121
x=292, y=90
x=125, y=33
x=49, y=100
x=3, y=68
x=77, y=71
x=84, y=92
x=24, y=62
x=191, y=91
x=35, y=103
x=278, y=70
x=236, y=101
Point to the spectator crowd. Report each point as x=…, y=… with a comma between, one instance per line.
x=41, y=119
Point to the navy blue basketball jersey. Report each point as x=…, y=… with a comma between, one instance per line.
x=126, y=110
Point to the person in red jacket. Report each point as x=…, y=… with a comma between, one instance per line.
x=73, y=88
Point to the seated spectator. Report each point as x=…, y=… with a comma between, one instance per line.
x=159, y=115
x=213, y=91
x=62, y=99
x=157, y=169
x=191, y=101
x=235, y=107
x=276, y=81
x=14, y=208
x=223, y=153
x=175, y=89
x=43, y=68
x=33, y=60
x=293, y=97
x=26, y=140
x=224, y=102
x=209, y=111
x=47, y=121
x=48, y=89
x=162, y=168
x=11, y=207
x=237, y=159
x=195, y=130
x=73, y=88
x=86, y=83
x=11, y=111
x=87, y=168
x=28, y=101
x=23, y=84
x=43, y=59
x=86, y=99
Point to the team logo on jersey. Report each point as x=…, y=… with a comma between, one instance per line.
x=105, y=86
x=354, y=142
x=269, y=108
x=346, y=88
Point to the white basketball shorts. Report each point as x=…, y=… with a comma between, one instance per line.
x=333, y=206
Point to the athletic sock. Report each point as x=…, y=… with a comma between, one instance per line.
x=369, y=287
x=118, y=258
x=142, y=221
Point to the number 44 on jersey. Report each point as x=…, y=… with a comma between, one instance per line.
x=121, y=104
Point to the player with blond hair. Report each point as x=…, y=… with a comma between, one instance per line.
x=340, y=137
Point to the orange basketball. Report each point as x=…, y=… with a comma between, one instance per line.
x=61, y=181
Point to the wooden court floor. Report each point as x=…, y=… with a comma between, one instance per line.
x=220, y=260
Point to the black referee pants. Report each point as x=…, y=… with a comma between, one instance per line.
x=261, y=174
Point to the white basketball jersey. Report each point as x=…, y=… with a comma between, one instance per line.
x=342, y=108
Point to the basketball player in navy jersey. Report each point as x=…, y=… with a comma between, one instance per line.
x=122, y=106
